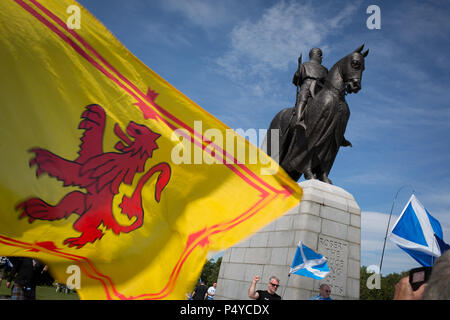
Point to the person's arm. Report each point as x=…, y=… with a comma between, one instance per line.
x=16, y=264
x=251, y=291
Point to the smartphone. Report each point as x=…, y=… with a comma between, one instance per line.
x=418, y=276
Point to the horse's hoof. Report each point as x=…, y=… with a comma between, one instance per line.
x=324, y=178
x=308, y=174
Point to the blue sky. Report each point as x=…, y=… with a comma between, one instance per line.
x=236, y=60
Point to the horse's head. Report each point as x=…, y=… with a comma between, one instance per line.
x=352, y=67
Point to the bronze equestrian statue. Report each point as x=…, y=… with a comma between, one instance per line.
x=310, y=146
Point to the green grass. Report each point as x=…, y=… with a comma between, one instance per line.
x=44, y=293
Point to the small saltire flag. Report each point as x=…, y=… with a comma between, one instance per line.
x=414, y=232
x=308, y=263
x=107, y=167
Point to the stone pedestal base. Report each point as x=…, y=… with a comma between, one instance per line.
x=328, y=220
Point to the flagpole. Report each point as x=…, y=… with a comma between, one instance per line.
x=284, y=290
x=389, y=222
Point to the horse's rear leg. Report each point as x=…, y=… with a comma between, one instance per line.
x=323, y=176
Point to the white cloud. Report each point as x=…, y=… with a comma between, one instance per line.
x=374, y=222
x=274, y=40
x=158, y=32
x=205, y=14
x=342, y=16
x=269, y=44
x=373, y=231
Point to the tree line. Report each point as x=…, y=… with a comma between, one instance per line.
x=387, y=285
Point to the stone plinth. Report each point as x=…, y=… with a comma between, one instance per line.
x=328, y=220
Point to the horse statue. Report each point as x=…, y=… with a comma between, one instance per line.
x=311, y=151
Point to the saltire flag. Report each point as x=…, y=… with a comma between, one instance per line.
x=414, y=232
x=308, y=263
x=107, y=167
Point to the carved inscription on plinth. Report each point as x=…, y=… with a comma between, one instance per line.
x=336, y=252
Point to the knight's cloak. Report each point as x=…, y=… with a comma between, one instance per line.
x=326, y=118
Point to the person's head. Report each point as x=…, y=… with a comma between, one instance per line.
x=214, y=284
x=273, y=284
x=315, y=54
x=324, y=290
x=438, y=286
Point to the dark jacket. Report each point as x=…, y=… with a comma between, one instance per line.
x=24, y=273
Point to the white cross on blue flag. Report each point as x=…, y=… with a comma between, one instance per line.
x=415, y=232
x=309, y=263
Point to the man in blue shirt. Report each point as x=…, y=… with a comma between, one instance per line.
x=324, y=293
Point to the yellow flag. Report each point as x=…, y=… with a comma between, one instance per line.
x=107, y=171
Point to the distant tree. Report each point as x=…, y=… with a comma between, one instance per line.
x=210, y=271
x=387, y=288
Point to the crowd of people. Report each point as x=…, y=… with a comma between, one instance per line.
x=436, y=288
x=201, y=292
x=23, y=274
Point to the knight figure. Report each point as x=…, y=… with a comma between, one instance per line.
x=309, y=79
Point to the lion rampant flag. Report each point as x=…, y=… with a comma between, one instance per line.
x=95, y=169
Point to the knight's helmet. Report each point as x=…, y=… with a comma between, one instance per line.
x=315, y=54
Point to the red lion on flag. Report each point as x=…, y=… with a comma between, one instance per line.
x=100, y=174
